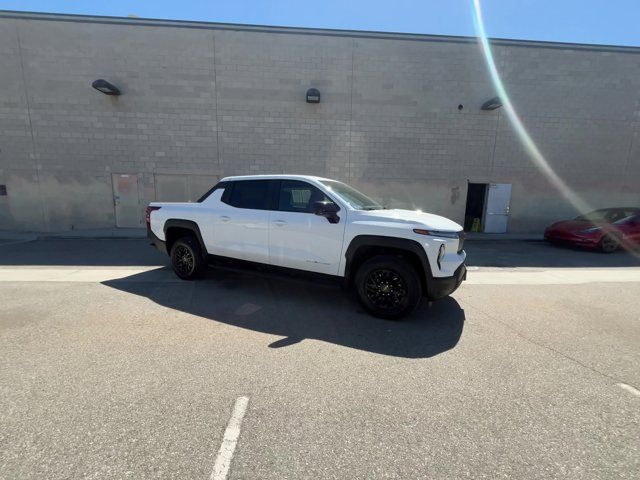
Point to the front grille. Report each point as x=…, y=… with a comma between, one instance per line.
x=461, y=237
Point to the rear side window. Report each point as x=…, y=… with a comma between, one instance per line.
x=253, y=194
x=297, y=196
x=218, y=186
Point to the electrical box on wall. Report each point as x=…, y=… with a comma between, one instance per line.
x=3, y=190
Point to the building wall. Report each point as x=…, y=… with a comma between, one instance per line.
x=202, y=101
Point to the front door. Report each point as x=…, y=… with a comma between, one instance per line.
x=126, y=200
x=300, y=239
x=497, y=207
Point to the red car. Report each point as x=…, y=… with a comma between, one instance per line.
x=604, y=229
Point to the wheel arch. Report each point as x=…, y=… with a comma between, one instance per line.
x=175, y=228
x=363, y=247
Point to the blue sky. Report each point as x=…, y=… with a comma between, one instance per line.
x=583, y=21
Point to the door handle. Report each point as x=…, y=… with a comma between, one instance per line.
x=280, y=223
x=225, y=219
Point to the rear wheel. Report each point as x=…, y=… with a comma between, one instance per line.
x=388, y=287
x=609, y=243
x=186, y=258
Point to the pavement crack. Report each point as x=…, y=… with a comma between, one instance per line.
x=549, y=348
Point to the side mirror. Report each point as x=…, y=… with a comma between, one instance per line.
x=329, y=210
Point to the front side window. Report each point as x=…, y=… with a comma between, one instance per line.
x=629, y=217
x=251, y=194
x=297, y=196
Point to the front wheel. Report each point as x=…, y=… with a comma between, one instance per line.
x=388, y=287
x=187, y=259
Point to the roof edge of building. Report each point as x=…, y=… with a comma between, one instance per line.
x=192, y=24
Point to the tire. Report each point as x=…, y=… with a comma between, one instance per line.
x=187, y=259
x=609, y=243
x=388, y=287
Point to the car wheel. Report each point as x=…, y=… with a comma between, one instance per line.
x=609, y=243
x=388, y=287
x=187, y=259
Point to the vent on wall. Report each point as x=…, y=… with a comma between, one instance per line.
x=3, y=190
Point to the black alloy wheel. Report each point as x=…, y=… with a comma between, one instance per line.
x=388, y=286
x=385, y=288
x=184, y=261
x=187, y=259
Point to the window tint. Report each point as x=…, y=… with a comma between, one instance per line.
x=615, y=215
x=297, y=196
x=253, y=194
x=629, y=216
x=218, y=186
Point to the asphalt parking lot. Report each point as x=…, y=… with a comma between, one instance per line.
x=110, y=367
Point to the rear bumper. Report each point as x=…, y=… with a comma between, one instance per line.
x=156, y=242
x=441, y=287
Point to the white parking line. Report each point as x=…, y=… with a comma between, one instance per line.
x=230, y=440
x=630, y=389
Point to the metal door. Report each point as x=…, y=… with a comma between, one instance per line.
x=126, y=200
x=497, y=207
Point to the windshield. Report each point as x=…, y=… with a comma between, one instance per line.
x=351, y=196
x=595, y=216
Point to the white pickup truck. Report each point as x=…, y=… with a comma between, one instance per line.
x=392, y=258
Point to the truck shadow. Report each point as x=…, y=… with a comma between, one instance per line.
x=299, y=309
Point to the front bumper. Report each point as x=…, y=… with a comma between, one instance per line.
x=441, y=287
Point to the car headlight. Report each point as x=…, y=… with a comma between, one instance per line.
x=591, y=230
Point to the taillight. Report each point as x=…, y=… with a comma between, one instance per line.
x=148, y=215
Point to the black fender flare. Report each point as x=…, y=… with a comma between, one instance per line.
x=388, y=242
x=187, y=225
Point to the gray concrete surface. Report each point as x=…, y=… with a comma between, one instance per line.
x=201, y=101
x=136, y=377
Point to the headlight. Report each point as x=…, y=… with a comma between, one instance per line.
x=591, y=230
x=436, y=233
x=441, y=255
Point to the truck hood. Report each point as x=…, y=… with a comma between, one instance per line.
x=421, y=219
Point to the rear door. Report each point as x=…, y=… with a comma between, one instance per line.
x=297, y=237
x=241, y=224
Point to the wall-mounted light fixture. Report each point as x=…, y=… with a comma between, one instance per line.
x=105, y=87
x=492, y=104
x=313, y=95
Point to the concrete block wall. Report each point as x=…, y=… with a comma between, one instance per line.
x=201, y=101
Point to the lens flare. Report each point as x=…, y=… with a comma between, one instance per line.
x=530, y=146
